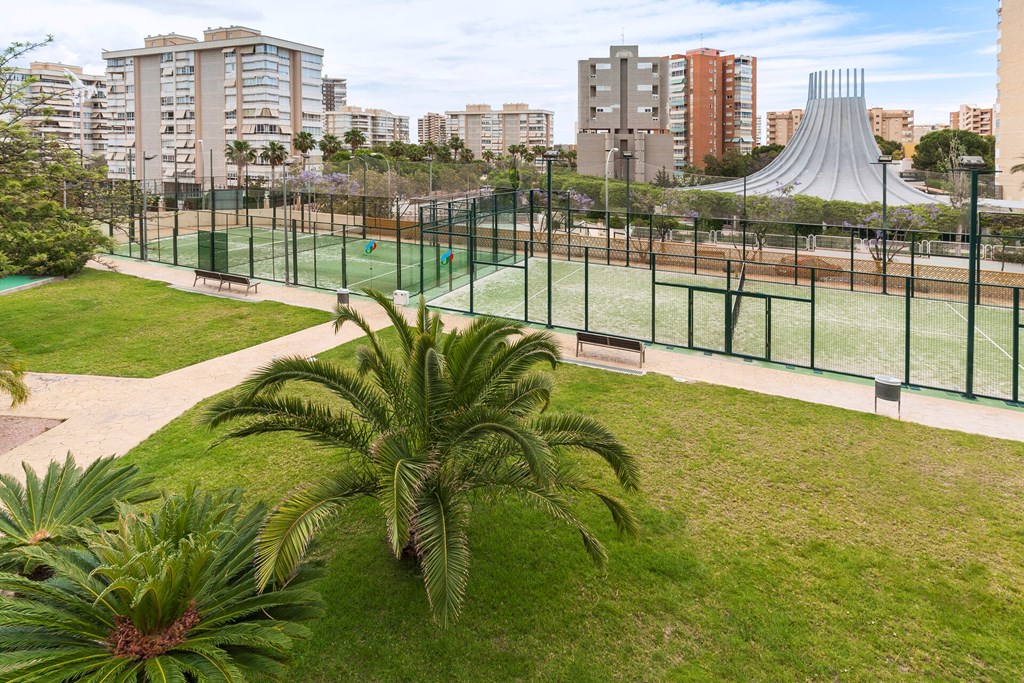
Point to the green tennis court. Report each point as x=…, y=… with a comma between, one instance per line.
x=860, y=333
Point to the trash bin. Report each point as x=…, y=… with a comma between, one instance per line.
x=343, y=295
x=401, y=297
x=888, y=388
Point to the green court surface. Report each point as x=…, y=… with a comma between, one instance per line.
x=854, y=332
x=12, y=281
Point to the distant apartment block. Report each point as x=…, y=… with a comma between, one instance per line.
x=379, y=126
x=974, y=119
x=77, y=103
x=1009, y=110
x=623, y=104
x=432, y=127
x=180, y=99
x=896, y=125
x=335, y=93
x=782, y=125
x=483, y=129
x=920, y=130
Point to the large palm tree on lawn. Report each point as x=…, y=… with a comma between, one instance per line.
x=12, y=374
x=164, y=596
x=50, y=510
x=354, y=138
x=427, y=428
x=241, y=154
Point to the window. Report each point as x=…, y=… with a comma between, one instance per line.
x=644, y=65
x=600, y=66
x=185, y=70
x=265, y=49
x=167, y=57
x=645, y=87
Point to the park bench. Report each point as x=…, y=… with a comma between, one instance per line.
x=609, y=342
x=225, y=278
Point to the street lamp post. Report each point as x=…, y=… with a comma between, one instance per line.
x=607, y=215
x=131, y=199
x=305, y=201
x=550, y=156
x=430, y=190
x=144, y=216
x=628, y=156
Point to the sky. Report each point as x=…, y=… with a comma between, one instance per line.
x=413, y=56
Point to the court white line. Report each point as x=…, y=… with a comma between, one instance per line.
x=509, y=311
x=982, y=332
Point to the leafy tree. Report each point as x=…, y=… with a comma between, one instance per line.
x=663, y=179
x=932, y=152
x=169, y=595
x=354, y=138
x=50, y=510
x=240, y=153
x=12, y=383
x=445, y=420
x=729, y=165
x=890, y=147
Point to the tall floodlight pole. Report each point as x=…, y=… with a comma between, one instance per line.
x=284, y=209
x=549, y=157
x=607, y=215
x=884, y=161
x=144, y=218
x=975, y=165
x=430, y=187
x=628, y=156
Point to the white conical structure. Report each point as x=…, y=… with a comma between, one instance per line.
x=833, y=153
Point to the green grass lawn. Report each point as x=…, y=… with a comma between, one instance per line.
x=103, y=323
x=781, y=541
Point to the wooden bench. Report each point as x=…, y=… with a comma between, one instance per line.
x=225, y=278
x=609, y=342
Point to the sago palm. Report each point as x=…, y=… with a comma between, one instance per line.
x=425, y=428
x=49, y=510
x=166, y=596
x=12, y=374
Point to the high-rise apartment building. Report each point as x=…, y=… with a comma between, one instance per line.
x=181, y=99
x=896, y=125
x=623, y=104
x=75, y=104
x=972, y=118
x=1009, y=125
x=432, y=127
x=379, y=126
x=483, y=129
x=782, y=125
x=335, y=93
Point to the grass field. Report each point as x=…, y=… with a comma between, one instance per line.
x=102, y=323
x=780, y=541
x=855, y=332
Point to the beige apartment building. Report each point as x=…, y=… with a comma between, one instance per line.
x=1009, y=113
x=180, y=100
x=971, y=118
x=379, y=126
x=896, y=125
x=432, y=127
x=483, y=129
x=920, y=130
x=623, y=104
x=782, y=125
x=77, y=102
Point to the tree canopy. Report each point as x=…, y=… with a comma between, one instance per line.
x=932, y=152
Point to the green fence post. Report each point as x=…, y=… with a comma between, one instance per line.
x=526, y=286
x=398, y=256
x=422, y=254
x=654, y=307
x=972, y=284
x=1016, y=345
x=908, y=285
x=531, y=222
x=813, y=297
x=251, y=264
x=851, y=259
x=471, y=257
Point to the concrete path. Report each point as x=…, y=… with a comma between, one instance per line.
x=109, y=415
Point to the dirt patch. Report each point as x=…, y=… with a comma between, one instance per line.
x=15, y=431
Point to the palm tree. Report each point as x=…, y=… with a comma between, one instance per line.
x=241, y=154
x=465, y=155
x=275, y=154
x=304, y=142
x=454, y=144
x=12, y=374
x=354, y=138
x=169, y=595
x=488, y=157
x=50, y=510
x=570, y=156
x=538, y=151
x=330, y=145
x=428, y=428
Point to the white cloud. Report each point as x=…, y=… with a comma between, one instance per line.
x=414, y=56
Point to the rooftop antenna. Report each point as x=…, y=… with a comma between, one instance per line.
x=702, y=41
x=623, y=35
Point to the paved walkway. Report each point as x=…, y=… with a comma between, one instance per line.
x=109, y=415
